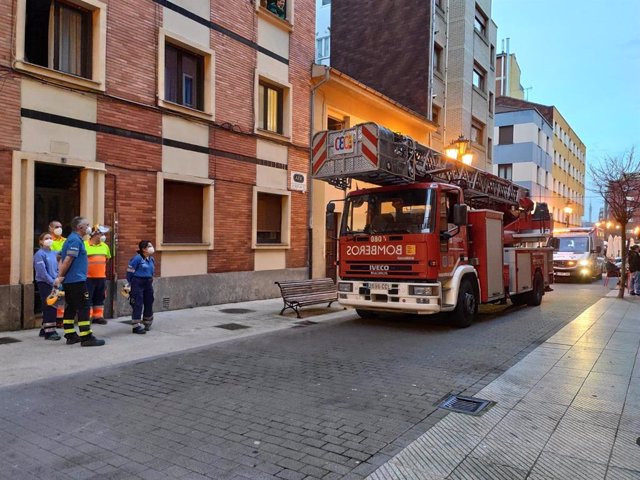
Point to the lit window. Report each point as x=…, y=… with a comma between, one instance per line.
x=270, y=112
x=184, y=77
x=59, y=36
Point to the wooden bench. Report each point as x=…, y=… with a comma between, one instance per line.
x=300, y=293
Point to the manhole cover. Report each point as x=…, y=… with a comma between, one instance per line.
x=235, y=310
x=232, y=326
x=8, y=340
x=304, y=323
x=468, y=405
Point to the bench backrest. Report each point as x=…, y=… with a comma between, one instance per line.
x=301, y=287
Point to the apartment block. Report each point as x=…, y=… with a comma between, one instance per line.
x=182, y=122
x=561, y=182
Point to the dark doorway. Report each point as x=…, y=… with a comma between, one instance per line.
x=331, y=244
x=57, y=197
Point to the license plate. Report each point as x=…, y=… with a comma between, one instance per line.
x=562, y=274
x=379, y=286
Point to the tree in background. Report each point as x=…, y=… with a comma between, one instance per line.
x=617, y=181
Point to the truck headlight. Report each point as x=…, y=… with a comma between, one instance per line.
x=345, y=287
x=584, y=263
x=571, y=263
x=420, y=290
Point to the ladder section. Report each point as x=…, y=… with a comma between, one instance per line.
x=371, y=153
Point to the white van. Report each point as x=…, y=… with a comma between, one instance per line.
x=578, y=253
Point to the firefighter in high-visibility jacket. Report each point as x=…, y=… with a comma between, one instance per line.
x=98, y=254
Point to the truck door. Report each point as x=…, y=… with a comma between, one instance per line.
x=451, y=246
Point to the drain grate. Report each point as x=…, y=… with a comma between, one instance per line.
x=235, y=310
x=232, y=326
x=8, y=340
x=468, y=405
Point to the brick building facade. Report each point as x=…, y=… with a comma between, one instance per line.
x=169, y=120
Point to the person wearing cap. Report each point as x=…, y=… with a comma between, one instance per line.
x=98, y=254
x=55, y=230
x=45, y=264
x=140, y=283
x=73, y=275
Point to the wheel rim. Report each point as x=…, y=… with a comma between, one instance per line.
x=469, y=303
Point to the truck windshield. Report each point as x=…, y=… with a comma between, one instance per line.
x=573, y=244
x=406, y=211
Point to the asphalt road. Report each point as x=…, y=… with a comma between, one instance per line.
x=323, y=401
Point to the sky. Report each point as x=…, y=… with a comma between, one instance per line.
x=583, y=56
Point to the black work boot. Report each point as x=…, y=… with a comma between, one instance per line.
x=91, y=341
x=72, y=338
x=139, y=329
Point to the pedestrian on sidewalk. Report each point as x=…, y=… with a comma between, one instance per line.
x=612, y=270
x=55, y=229
x=634, y=270
x=140, y=281
x=45, y=263
x=98, y=254
x=73, y=276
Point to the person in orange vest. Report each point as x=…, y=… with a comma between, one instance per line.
x=55, y=229
x=98, y=254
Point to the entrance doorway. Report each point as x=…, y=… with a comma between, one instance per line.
x=56, y=197
x=332, y=227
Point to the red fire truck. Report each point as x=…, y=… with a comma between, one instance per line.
x=434, y=235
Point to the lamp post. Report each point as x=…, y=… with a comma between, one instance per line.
x=567, y=214
x=458, y=150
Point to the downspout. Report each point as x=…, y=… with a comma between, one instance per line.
x=432, y=39
x=310, y=180
x=445, y=100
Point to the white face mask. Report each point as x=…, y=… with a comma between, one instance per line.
x=103, y=239
x=47, y=243
x=150, y=250
x=57, y=231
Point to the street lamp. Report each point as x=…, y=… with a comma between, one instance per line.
x=567, y=214
x=458, y=150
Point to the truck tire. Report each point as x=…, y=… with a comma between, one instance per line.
x=466, y=306
x=535, y=296
x=519, y=299
x=366, y=313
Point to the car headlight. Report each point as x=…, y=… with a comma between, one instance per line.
x=571, y=263
x=584, y=263
x=420, y=290
x=345, y=287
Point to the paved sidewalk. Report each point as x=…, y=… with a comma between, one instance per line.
x=174, y=331
x=569, y=410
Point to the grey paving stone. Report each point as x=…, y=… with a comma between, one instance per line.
x=550, y=465
x=473, y=468
x=615, y=473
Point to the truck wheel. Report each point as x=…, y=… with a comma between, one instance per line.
x=518, y=299
x=467, y=305
x=535, y=297
x=366, y=313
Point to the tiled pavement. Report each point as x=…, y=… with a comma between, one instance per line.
x=569, y=410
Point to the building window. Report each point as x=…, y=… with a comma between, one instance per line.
x=480, y=22
x=477, y=132
x=479, y=77
x=184, y=77
x=271, y=107
x=492, y=60
x=437, y=58
x=271, y=217
x=335, y=124
x=323, y=47
x=505, y=171
x=491, y=102
x=435, y=115
x=489, y=148
x=278, y=8
x=505, y=135
x=326, y=2
x=184, y=224
x=60, y=36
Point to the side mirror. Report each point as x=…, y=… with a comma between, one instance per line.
x=460, y=215
x=554, y=242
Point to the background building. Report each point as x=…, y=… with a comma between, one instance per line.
x=525, y=139
x=451, y=83
x=182, y=133
x=508, y=75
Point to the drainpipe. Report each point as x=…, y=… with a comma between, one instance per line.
x=445, y=100
x=314, y=88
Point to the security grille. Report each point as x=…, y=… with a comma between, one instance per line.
x=165, y=303
x=468, y=405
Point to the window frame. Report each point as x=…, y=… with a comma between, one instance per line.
x=480, y=127
x=285, y=220
x=283, y=23
x=507, y=168
x=207, y=213
x=97, y=31
x=482, y=76
x=285, y=89
x=438, y=51
x=181, y=93
x=481, y=19
x=208, y=68
x=503, y=132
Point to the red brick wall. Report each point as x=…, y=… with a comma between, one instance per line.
x=5, y=212
x=297, y=256
x=132, y=49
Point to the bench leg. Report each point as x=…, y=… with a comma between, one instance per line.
x=297, y=311
x=330, y=303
